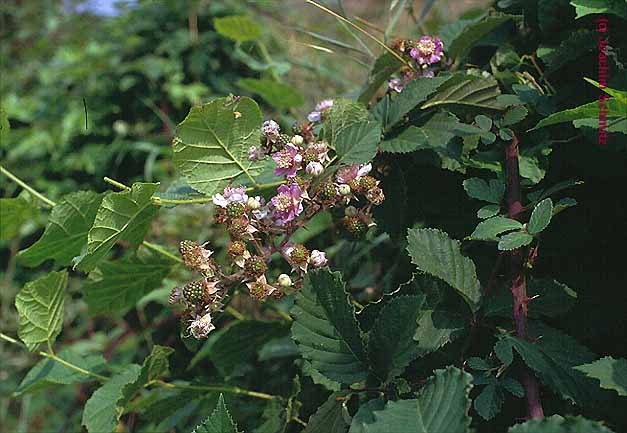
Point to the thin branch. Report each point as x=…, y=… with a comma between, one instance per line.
x=214, y=388
x=27, y=187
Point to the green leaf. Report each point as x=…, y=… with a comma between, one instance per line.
x=489, y=402
x=476, y=363
x=125, y=281
x=490, y=228
x=612, y=373
x=468, y=91
x=211, y=144
x=325, y=328
x=365, y=415
x=105, y=407
x=514, y=115
x=40, y=307
x=488, y=211
x=491, y=191
x=385, y=65
x=473, y=33
x=513, y=387
x=589, y=7
x=357, y=143
x=484, y=122
x=238, y=27
x=541, y=216
x=390, y=344
x=14, y=212
x=66, y=231
x=514, y=240
x=219, y=421
x=436, y=329
x=279, y=95
x=328, y=418
x=577, y=44
x=343, y=114
x=615, y=110
x=620, y=95
x=433, y=252
x=393, y=107
x=558, y=424
x=503, y=351
x=552, y=357
x=48, y=372
x=441, y=407
x=122, y=215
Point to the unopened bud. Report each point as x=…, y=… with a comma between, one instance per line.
x=284, y=280
x=253, y=203
x=314, y=168
x=298, y=140
x=318, y=258
x=344, y=189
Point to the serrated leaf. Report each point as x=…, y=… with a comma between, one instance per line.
x=558, y=424
x=514, y=115
x=40, y=307
x=476, y=363
x=503, y=351
x=278, y=95
x=122, y=215
x=513, y=387
x=490, y=228
x=365, y=415
x=433, y=252
x=615, y=111
x=343, y=114
x=219, y=421
x=612, y=373
x=238, y=27
x=48, y=373
x=590, y=7
x=328, y=418
x=436, y=329
x=14, y=212
x=472, y=33
x=392, y=108
x=124, y=282
x=325, y=328
x=484, y=122
x=211, y=144
x=357, y=143
x=552, y=357
x=390, y=343
x=540, y=217
x=106, y=405
x=66, y=231
x=488, y=211
x=489, y=402
x=440, y=407
x=514, y=240
x=468, y=91
x=491, y=191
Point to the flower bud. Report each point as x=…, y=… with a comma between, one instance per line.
x=344, y=189
x=318, y=258
x=284, y=280
x=254, y=154
x=314, y=168
x=253, y=203
x=298, y=140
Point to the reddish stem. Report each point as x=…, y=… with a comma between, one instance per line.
x=519, y=284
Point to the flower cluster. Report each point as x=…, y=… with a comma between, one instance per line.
x=261, y=229
x=426, y=53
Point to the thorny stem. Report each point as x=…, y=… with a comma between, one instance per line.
x=160, y=383
x=27, y=187
x=518, y=282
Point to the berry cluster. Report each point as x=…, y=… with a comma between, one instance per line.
x=260, y=228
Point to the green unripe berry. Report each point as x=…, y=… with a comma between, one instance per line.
x=235, y=209
x=237, y=249
x=356, y=227
x=254, y=267
x=299, y=255
x=366, y=183
x=195, y=292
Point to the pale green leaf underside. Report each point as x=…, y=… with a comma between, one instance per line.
x=106, y=405
x=433, y=252
x=612, y=373
x=66, y=231
x=40, y=307
x=122, y=215
x=211, y=144
x=514, y=240
x=467, y=90
x=219, y=421
x=343, y=114
x=325, y=328
x=441, y=407
x=558, y=424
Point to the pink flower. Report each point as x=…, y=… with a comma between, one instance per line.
x=321, y=107
x=287, y=204
x=270, y=129
x=348, y=173
x=318, y=258
x=231, y=194
x=428, y=50
x=254, y=153
x=314, y=168
x=288, y=161
x=321, y=150
x=396, y=84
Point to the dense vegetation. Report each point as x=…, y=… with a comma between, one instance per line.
x=438, y=249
